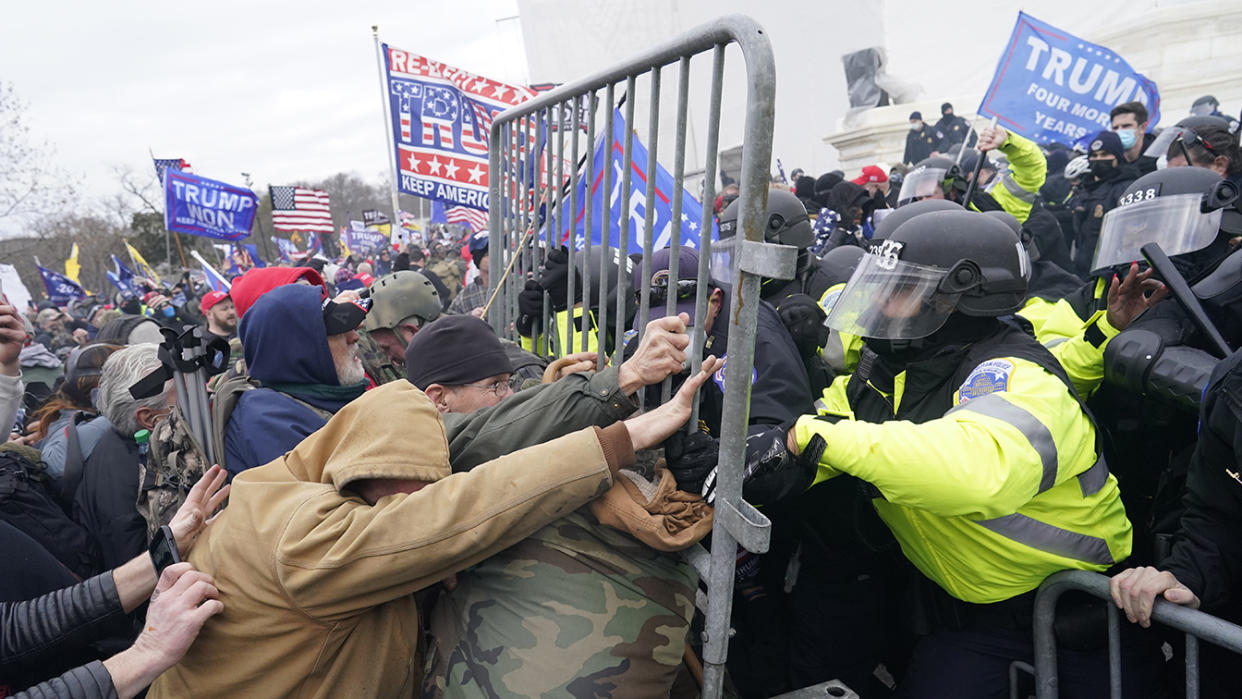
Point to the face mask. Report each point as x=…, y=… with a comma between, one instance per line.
x=169, y=311
x=1128, y=138
x=1101, y=169
x=131, y=306
x=916, y=125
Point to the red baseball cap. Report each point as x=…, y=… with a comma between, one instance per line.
x=211, y=299
x=871, y=175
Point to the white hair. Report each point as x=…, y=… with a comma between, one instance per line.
x=123, y=369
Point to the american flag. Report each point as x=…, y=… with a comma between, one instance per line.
x=162, y=164
x=475, y=219
x=300, y=209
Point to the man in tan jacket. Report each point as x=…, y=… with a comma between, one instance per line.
x=319, y=551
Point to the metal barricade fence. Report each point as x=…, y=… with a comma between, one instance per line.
x=534, y=195
x=1195, y=624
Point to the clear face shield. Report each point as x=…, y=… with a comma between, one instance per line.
x=924, y=182
x=1160, y=146
x=889, y=299
x=721, y=260
x=1176, y=222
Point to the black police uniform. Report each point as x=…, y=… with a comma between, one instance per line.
x=1096, y=198
x=920, y=144
x=952, y=130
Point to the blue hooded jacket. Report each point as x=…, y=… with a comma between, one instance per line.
x=286, y=349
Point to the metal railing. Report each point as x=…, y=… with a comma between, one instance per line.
x=1195, y=624
x=531, y=182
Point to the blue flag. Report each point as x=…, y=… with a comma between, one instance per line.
x=125, y=286
x=60, y=289
x=438, y=214
x=199, y=206
x=691, y=210
x=254, y=254
x=361, y=239
x=1052, y=86
x=214, y=280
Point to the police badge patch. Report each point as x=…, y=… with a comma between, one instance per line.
x=991, y=376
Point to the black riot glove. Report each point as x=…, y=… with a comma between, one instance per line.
x=530, y=308
x=804, y=318
x=772, y=474
x=555, y=277
x=690, y=458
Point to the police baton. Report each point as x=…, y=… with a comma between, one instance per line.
x=1181, y=291
x=974, y=181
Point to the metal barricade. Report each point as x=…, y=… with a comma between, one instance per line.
x=531, y=182
x=1195, y=624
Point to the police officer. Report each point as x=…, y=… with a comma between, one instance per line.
x=1015, y=191
x=401, y=304
x=921, y=142
x=575, y=323
x=952, y=128
x=973, y=441
x=1110, y=176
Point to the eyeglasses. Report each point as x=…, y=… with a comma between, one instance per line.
x=499, y=388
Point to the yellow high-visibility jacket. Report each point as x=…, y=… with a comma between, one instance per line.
x=989, y=491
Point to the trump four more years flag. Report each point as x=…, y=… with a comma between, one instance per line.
x=441, y=118
x=1052, y=86
x=199, y=206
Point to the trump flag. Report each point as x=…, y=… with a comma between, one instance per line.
x=441, y=118
x=635, y=205
x=199, y=206
x=1052, y=86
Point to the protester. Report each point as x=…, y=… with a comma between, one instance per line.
x=353, y=530
x=474, y=296
x=105, y=501
x=73, y=401
x=401, y=304
x=1129, y=122
x=221, y=315
x=39, y=632
x=301, y=351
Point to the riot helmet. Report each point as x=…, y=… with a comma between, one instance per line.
x=931, y=267
x=786, y=223
x=933, y=177
x=1183, y=209
x=885, y=227
x=1160, y=145
x=404, y=297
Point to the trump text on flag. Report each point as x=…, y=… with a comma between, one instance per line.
x=1052, y=86
x=200, y=206
x=441, y=120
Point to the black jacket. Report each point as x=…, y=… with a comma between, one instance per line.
x=1207, y=553
x=1097, y=199
x=920, y=144
x=952, y=129
x=35, y=631
x=106, y=500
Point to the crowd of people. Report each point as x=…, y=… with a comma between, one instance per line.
x=973, y=380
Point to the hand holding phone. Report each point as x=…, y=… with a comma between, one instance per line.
x=164, y=550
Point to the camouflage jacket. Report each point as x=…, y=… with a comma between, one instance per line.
x=577, y=609
x=174, y=464
x=378, y=365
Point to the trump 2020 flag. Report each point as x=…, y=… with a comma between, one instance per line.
x=636, y=203
x=60, y=289
x=1052, y=86
x=441, y=118
x=199, y=206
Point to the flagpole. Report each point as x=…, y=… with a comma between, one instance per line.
x=205, y=263
x=387, y=105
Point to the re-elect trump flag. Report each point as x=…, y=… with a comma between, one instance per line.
x=441, y=117
x=635, y=205
x=1052, y=86
x=199, y=206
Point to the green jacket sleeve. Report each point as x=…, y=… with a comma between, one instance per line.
x=534, y=416
x=1016, y=190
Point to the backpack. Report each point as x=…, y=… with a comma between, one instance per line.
x=175, y=461
x=29, y=502
x=225, y=400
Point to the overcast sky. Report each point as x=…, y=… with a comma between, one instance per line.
x=282, y=90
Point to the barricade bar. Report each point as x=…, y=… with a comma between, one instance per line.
x=1194, y=623
x=527, y=140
